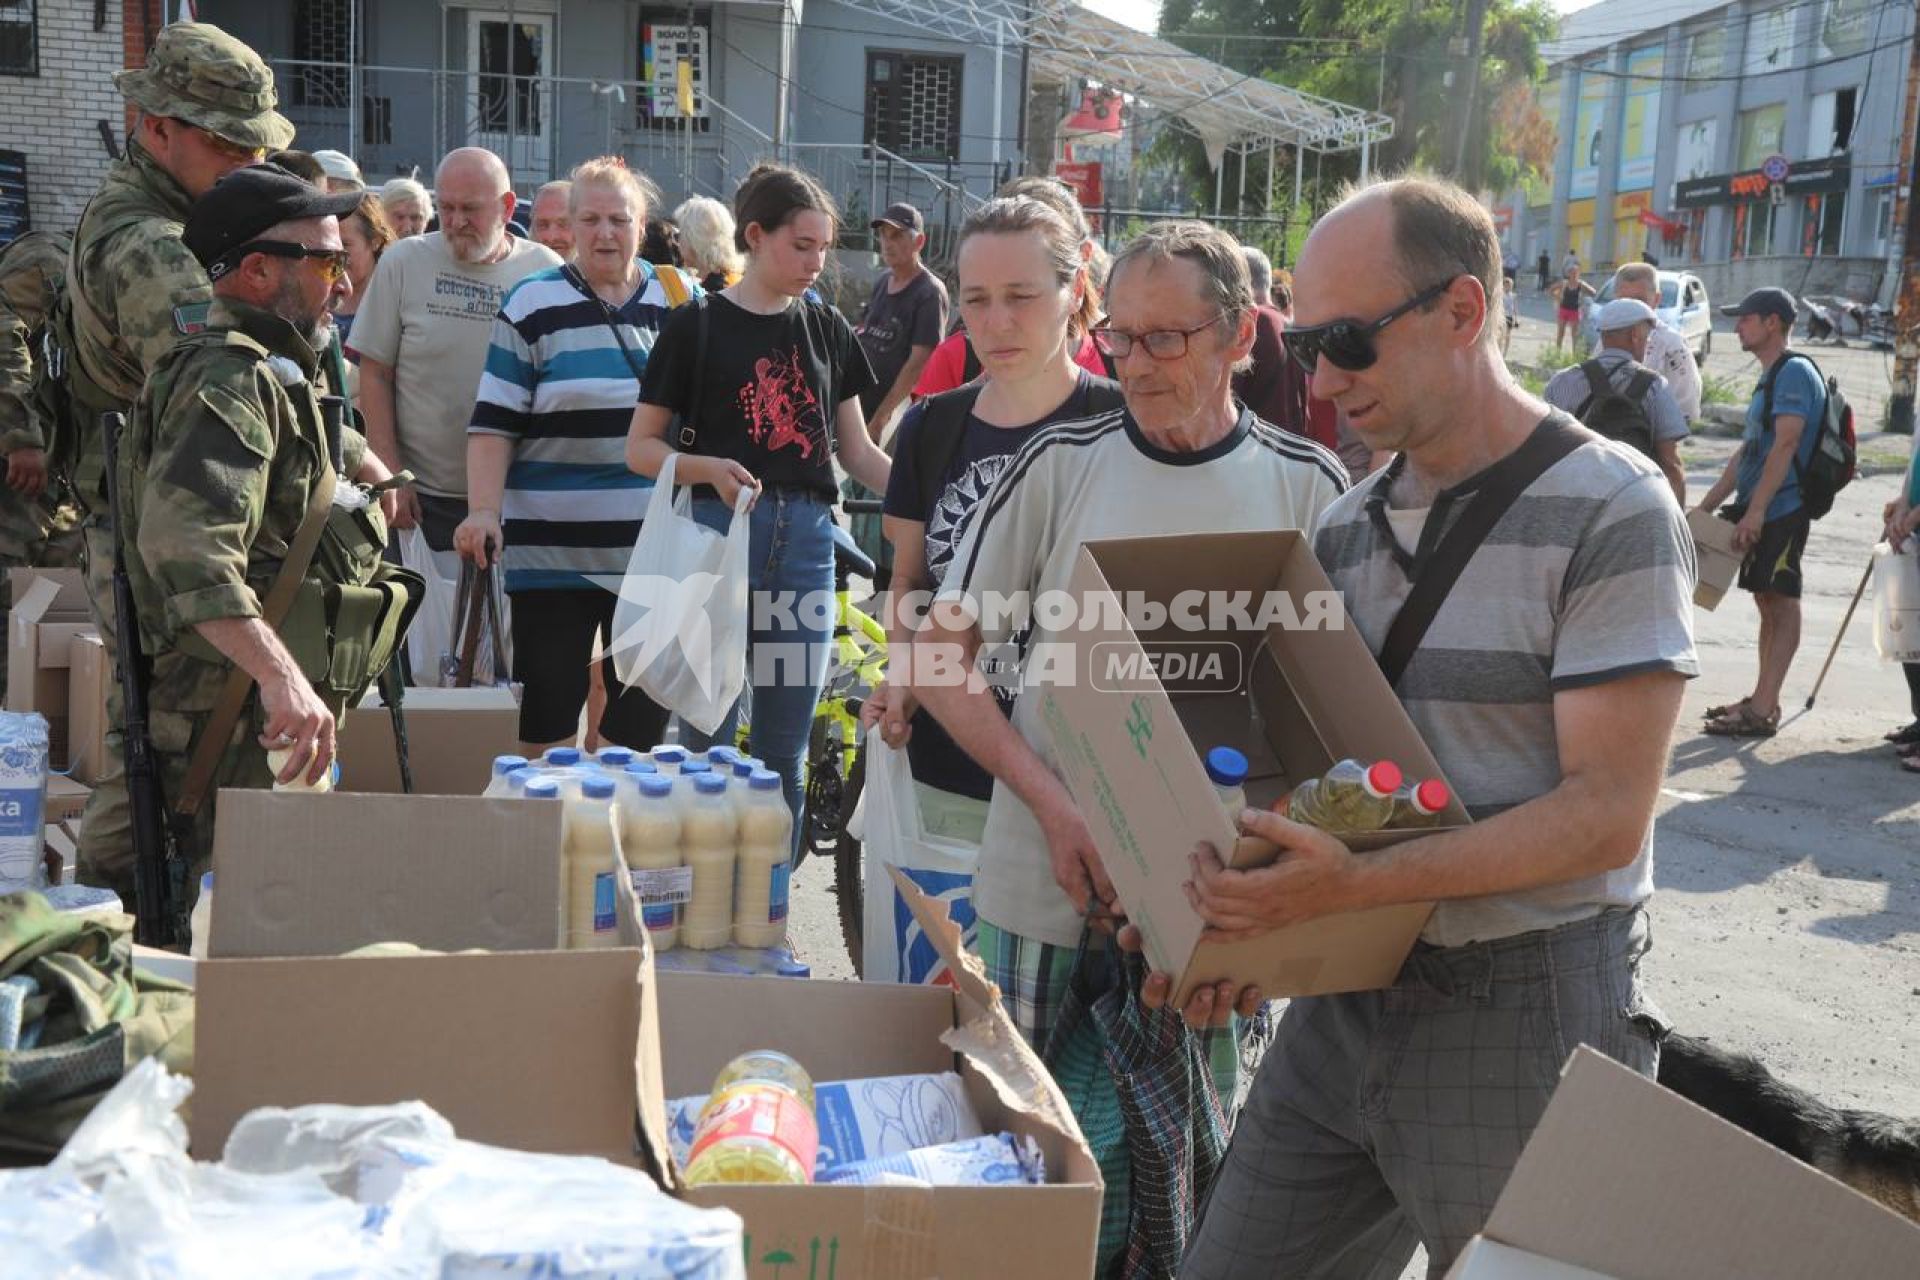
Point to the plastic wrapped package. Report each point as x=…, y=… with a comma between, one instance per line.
x=23, y=799
x=997, y=1159
x=864, y=1119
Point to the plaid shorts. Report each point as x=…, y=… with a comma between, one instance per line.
x=1033, y=977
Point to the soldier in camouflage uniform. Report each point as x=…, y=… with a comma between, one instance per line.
x=33, y=529
x=206, y=105
x=225, y=457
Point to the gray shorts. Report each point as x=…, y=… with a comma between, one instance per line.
x=1381, y=1120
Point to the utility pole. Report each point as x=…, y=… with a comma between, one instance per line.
x=1476, y=21
x=1906, y=307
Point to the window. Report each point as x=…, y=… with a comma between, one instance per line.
x=1830, y=123
x=913, y=104
x=19, y=37
x=669, y=37
x=1753, y=229
x=1882, y=221
x=1763, y=133
x=1769, y=41
x=1696, y=232
x=1820, y=228
x=320, y=35
x=1707, y=52
x=1847, y=27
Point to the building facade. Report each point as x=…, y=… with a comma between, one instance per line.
x=1750, y=143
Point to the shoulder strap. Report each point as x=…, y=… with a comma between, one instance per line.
x=943, y=430
x=689, y=430
x=1598, y=384
x=607, y=315
x=273, y=611
x=1553, y=440
x=969, y=362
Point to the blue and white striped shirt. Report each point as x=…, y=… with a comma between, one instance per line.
x=558, y=384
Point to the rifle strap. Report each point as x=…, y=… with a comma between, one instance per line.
x=239, y=685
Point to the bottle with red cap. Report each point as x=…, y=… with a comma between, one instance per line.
x=1350, y=798
x=1420, y=805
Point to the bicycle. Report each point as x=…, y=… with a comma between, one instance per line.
x=835, y=767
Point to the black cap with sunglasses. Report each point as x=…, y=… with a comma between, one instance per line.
x=223, y=225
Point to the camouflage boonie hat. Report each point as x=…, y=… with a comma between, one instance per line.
x=198, y=73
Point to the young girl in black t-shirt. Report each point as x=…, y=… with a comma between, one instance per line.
x=766, y=384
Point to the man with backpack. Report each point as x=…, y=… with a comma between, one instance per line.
x=1778, y=489
x=1617, y=395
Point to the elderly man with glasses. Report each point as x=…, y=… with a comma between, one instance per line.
x=1527, y=588
x=226, y=467
x=1180, y=457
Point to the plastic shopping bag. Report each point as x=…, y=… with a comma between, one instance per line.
x=680, y=627
x=1896, y=601
x=893, y=947
x=432, y=631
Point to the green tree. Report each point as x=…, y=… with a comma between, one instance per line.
x=1393, y=55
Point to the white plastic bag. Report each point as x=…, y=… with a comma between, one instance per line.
x=431, y=632
x=680, y=627
x=893, y=949
x=1896, y=601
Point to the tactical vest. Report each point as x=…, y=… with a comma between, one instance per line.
x=350, y=611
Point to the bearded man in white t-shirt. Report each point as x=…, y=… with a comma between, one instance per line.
x=1667, y=353
x=1182, y=457
x=422, y=331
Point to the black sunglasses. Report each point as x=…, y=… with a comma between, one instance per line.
x=1348, y=344
x=333, y=262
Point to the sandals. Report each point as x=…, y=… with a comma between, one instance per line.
x=1906, y=735
x=1722, y=712
x=1744, y=722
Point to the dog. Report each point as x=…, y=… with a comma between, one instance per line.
x=1876, y=1155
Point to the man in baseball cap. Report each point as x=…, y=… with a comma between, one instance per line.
x=1616, y=394
x=1770, y=519
x=342, y=173
x=206, y=107
x=234, y=219
x=905, y=318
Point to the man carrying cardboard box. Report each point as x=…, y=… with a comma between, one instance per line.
x=1547, y=689
x=1181, y=457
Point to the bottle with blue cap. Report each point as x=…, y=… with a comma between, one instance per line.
x=561, y=757
x=721, y=757
x=766, y=852
x=709, y=833
x=1227, y=770
x=589, y=860
x=498, y=783
x=668, y=759
x=614, y=757
x=650, y=838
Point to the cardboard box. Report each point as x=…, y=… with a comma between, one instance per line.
x=89, y=673
x=298, y=874
x=49, y=610
x=541, y=1050
x=1295, y=699
x=452, y=737
x=1719, y=564
x=1626, y=1179
x=850, y=1030
x=66, y=799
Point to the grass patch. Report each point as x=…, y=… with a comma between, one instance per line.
x=1720, y=390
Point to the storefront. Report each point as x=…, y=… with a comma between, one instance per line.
x=1580, y=230
x=1630, y=238
x=1763, y=199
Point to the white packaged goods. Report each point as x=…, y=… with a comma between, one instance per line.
x=997, y=1159
x=708, y=832
x=650, y=836
x=316, y=1193
x=23, y=796
x=766, y=867
x=863, y=1120
x=590, y=870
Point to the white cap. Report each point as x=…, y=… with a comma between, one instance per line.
x=340, y=165
x=1623, y=313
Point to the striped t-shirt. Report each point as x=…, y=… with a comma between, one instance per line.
x=1075, y=482
x=1587, y=578
x=558, y=384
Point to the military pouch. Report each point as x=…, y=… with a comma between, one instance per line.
x=342, y=635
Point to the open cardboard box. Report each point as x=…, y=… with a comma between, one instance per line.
x=527, y=1047
x=839, y=1031
x=49, y=610
x=1718, y=562
x=1294, y=699
x=89, y=673
x=452, y=737
x=1627, y=1180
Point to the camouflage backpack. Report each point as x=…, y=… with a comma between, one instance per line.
x=33, y=277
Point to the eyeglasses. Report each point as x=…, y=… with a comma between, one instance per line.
x=1161, y=344
x=332, y=262
x=1348, y=344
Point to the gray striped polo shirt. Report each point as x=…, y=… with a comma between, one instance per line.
x=1587, y=578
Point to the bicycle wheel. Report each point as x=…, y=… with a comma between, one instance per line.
x=849, y=868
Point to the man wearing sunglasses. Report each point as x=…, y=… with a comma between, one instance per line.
x=220, y=464
x=1546, y=684
x=206, y=106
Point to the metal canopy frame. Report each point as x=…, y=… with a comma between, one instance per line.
x=1228, y=109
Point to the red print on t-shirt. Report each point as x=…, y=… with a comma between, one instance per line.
x=780, y=407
